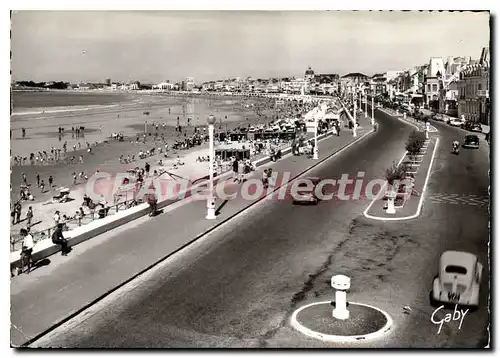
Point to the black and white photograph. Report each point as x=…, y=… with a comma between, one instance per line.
x=250, y=179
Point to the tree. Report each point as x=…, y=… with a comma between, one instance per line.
x=395, y=172
x=415, y=142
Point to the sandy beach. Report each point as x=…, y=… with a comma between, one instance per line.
x=129, y=119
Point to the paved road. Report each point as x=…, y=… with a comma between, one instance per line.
x=239, y=286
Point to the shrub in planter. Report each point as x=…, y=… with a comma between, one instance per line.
x=413, y=158
x=395, y=172
x=415, y=142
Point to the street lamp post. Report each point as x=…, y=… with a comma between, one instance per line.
x=373, y=111
x=354, y=119
x=211, y=200
x=316, y=150
x=366, y=105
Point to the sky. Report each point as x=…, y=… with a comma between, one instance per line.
x=151, y=47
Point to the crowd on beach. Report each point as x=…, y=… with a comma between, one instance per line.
x=265, y=109
x=55, y=155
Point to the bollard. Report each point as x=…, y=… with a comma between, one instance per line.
x=341, y=284
x=390, y=202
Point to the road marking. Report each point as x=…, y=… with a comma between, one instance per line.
x=422, y=195
x=340, y=339
x=462, y=199
x=128, y=285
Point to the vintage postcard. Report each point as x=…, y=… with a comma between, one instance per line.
x=250, y=179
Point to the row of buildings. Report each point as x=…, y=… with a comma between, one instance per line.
x=310, y=83
x=456, y=86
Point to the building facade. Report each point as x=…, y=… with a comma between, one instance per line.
x=432, y=82
x=188, y=84
x=474, y=91
x=352, y=82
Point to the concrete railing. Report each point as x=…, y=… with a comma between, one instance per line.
x=45, y=248
x=349, y=115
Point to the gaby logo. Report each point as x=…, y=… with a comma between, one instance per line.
x=457, y=315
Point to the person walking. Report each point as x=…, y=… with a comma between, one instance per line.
x=58, y=239
x=18, y=209
x=57, y=217
x=235, y=169
x=38, y=179
x=241, y=172
x=29, y=216
x=25, y=180
x=13, y=214
x=51, y=181
x=26, y=250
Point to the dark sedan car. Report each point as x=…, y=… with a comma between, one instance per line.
x=305, y=196
x=471, y=141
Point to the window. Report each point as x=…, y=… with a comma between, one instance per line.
x=434, y=87
x=456, y=269
x=428, y=88
x=479, y=87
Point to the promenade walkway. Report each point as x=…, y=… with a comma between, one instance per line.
x=44, y=208
x=62, y=286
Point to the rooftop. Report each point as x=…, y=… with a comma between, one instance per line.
x=354, y=74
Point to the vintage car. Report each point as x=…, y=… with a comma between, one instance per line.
x=303, y=194
x=471, y=141
x=456, y=122
x=473, y=127
x=458, y=280
x=441, y=118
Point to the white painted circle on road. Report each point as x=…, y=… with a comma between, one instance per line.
x=340, y=339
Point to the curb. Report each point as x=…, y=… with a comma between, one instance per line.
x=201, y=235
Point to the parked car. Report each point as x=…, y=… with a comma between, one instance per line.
x=308, y=197
x=455, y=122
x=473, y=127
x=471, y=141
x=477, y=128
x=458, y=281
x=437, y=117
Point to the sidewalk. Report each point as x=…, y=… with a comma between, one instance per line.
x=62, y=286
